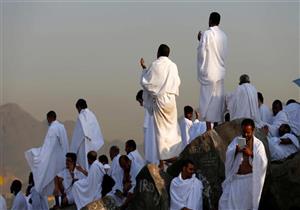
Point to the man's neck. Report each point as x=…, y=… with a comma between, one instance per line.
x=115, y=156
x=72, y=169
x=184, y=177
x=249, y=143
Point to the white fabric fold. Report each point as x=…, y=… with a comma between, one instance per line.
x=293, y=113
x=243, y=103
x=2, y=203
x=19, y=202
x=37, y=200
x=197, y=129
x=150, y=145
x=279, y=119
x=87, y=136
x=280, y=151
x=265, y=113
x=89, y=189
x=116, y=172
x=136, y=157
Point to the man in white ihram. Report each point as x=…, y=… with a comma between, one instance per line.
x=190, y=129
x=245, y=171
x=161, y=83
x=284, y=145
x=243, y=102
x=186, y=189
x=211, y=71
x=87, y=134
x=89, y=189
x=46, y=161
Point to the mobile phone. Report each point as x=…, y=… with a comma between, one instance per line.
x=241, y=142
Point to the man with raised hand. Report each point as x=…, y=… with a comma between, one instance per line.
x=87, y=135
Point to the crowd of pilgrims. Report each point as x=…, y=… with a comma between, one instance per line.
x=83, y=178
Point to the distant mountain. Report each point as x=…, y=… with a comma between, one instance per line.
x=19, y=131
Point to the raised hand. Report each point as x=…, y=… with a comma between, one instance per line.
x=142, y=62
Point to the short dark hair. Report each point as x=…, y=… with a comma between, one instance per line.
x=215, y=18
x=16, y=185
x=164, y=50
x=186, y=162
x=248, y=121
x=260, y=97
x=81, y=103
x=51, y=114
x=139, y=95
x=103, y=159
x=72, y=155
x=277, y=103
x=92, y=155
x=244, y=79
x=115, y=148
x=287, y=127
x=123, y=157
x=188, y=109
x=131, y=143
x=290, y=101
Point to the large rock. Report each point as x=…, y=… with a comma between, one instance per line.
x=106, y=203
x=151, y=190
x=283, y=192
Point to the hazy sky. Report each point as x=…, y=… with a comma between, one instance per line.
x=54, y=52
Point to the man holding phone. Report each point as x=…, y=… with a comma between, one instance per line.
x=245, y=170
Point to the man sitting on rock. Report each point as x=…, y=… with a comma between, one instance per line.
x=284, y=145
x=131, y=170
x=65, y=179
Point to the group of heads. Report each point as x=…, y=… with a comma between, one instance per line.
x=80, y=104
x=124, y=161
x=276, y=105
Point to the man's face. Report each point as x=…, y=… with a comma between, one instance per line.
x=282, y=130
x=69, y=163
x=128, y=149
x=90, y=162
x=247, y=132
x=189, y=116
x=276, y=108
x=48, y=120
x=188, y=171
x=11, y=189
x=111, y=154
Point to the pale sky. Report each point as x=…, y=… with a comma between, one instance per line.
x=54, y=52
